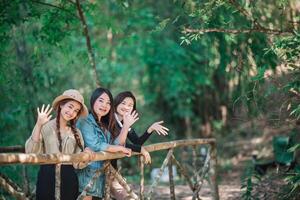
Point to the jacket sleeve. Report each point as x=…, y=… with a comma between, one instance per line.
x=32, y=146
x=91, y=139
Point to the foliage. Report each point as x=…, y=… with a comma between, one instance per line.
x=249, y=182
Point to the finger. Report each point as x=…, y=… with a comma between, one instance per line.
x=135, y=115
x=164, y=132
x=165, y=128
x=136, y=119
x=160, y=122
x=38, y=110
x=43, y=108
x=158, y=132
x=49, y=111
x=46, y=109
x=48, y=118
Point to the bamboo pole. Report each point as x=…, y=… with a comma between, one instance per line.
x=12, y=188
x=142, y=189
x=171, y=180
x=122, y=182
x=20, y=158
x=170, y=153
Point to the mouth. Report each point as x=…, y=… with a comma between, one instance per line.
x=102, y=110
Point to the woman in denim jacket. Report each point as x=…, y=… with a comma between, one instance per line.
x=98, y=134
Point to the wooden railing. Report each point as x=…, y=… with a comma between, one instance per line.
x=199, y=173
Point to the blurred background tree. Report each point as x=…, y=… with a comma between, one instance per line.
x=205, y=67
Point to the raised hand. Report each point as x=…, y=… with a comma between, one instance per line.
x=44, y=115
x=130, y=118
x=157, y=127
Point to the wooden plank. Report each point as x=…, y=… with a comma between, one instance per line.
x=20, y=158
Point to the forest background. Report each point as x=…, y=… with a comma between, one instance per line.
x=227, y=69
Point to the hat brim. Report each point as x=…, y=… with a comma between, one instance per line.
x=84, y=112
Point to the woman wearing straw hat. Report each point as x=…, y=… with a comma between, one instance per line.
x=59, y=135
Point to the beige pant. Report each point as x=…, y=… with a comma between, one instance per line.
x=118, y=192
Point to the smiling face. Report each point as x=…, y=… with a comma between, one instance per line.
x=125, y=106
x=70, y=110
x=102, y=105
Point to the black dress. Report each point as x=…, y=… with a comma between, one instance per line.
x=45, y=187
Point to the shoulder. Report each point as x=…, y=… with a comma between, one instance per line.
x=49, y=126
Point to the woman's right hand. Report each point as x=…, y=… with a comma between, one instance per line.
x=130, y=118
x=126, y=151
x=44, y=115
x=146, y=155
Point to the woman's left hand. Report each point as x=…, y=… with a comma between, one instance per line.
x=157, y=127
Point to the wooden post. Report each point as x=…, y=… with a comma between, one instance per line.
x=213, y=171
x=57, y=181
x=171, y=180
x=142, y=178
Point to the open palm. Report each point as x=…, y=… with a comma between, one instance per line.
x=44, y=114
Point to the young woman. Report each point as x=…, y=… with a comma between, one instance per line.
x=98, y=134
x=124, y=104
x=58, y=135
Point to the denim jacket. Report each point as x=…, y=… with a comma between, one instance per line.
x=94, y=137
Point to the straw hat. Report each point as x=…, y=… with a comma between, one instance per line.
x=73, y=95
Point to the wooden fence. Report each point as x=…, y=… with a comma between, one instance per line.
x=195, y=182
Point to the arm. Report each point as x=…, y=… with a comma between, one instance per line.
x=138, y=140
x=95, y=144
x=34, y=143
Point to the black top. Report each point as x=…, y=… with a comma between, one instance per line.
x=133, y=142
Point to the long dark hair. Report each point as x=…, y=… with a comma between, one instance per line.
x=106, y=121
x=121, y=96
x=72, y=125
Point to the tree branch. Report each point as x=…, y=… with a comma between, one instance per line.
x=55, y=6
x=88, y=41
x=237, y=31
